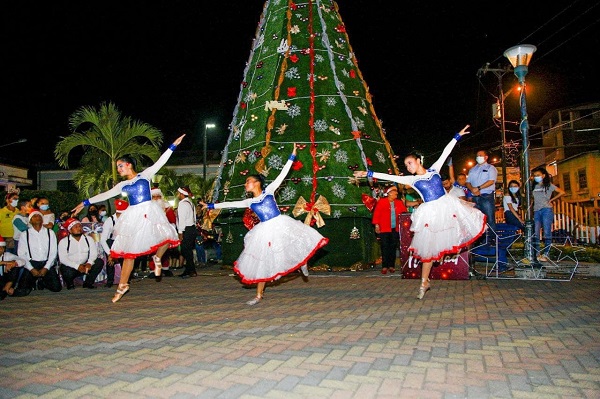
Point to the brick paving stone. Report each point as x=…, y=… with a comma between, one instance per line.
x=197, y=338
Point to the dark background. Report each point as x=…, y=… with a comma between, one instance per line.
x=178, y=65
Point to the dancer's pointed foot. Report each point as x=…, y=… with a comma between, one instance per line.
x=423, y=288
x=157, y=267
x=122, y=289
x=254, y=301
x=304, y=269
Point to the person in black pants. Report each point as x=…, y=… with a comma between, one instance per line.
x=385, y=220
x=37, y=245
x=186, y=227
x=78, y=256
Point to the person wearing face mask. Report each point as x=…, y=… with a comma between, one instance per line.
x=512, y=205
x=482, y=183
x=43, y=205
x=93, y=215
x=7, y=214
x=544, y=193
x=102, y=213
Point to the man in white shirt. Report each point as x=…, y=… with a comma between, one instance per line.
x=11, y=268
x=186, y=227
x=78, y=256
x=452, y=189
x=39, y=249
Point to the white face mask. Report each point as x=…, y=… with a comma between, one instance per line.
x=538, y=179
x=14, y=203
x=480, y=160
x=513, y=190
x=44, y=207
x=103, y=213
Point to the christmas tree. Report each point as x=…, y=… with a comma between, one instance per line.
x=302, y=84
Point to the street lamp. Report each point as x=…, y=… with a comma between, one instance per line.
x=14, y=142
x=520, y=56
x=206, y=127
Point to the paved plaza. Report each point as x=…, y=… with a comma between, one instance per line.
x=333, y=335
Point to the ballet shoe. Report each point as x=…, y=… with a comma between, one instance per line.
x=122, y=289
x=423, y=288
x=254, y=301
x=157, y=267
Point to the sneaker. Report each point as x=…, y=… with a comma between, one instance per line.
x=542, y=258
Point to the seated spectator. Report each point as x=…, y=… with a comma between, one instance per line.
x=39, y=248
x=512, y=205
x=92, y=216
x=12, y=270
x=102, y=212
x=451, y=188
x=78, y=256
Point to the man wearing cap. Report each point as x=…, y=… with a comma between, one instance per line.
x=385, y=220
x=11, y=267
x=39, y=249
x=186, y=227
x=78, y=256
x=107, y=239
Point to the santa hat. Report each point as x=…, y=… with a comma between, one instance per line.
x=185, y=191
x=35, y=213
x=156, y=191
x=2, y=242
x=121, y=205
x=70, y=222
x=387, y=190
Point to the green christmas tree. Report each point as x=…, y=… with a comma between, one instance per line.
x=302, y=84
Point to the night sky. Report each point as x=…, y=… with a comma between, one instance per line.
x=178, y=64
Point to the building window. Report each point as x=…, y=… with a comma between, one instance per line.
x=567, y=182
x=582, y=179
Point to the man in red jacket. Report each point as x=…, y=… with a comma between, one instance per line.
x=385, y=220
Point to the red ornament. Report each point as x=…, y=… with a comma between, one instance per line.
x=294, y=58
x=250, y=219
x=291, y=92
x=352, y=73
x=369, y=201
x=243, y=105
x=297, y=165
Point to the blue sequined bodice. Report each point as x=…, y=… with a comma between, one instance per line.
x=430, y=189
x=138, y=191
x=266, y=208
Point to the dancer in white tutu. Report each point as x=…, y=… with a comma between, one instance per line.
x=443, y=224
x=143, y=228
x=278, y=244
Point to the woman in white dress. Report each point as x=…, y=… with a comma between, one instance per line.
x=143, y=228
x=276, y=246
x=443, y=224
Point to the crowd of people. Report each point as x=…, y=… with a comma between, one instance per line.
x=39, y=251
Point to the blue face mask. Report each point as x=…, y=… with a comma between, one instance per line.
x=538, y=179
x=44, y=207
x=513, y=190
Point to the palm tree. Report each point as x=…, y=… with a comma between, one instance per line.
x=104, y=135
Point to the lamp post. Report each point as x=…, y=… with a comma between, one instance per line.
x=14, y=142
x=520, y=56
x=206, y=127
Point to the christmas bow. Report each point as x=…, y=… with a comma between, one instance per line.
x=208, y=218
x=312, y=210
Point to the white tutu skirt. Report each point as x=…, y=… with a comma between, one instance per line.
x=141, y=230
x=275, y=248
x=444, y=226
